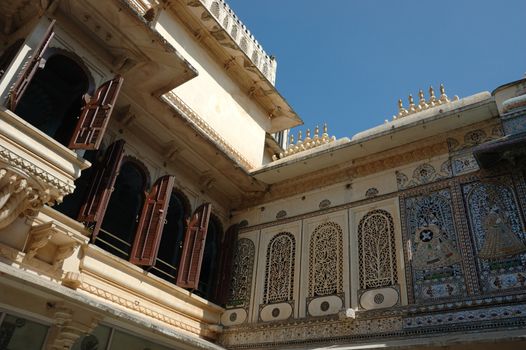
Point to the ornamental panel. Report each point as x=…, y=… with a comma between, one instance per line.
x=497, y=234
x=279, y=270
x=326, y=260
x=242, y=270
x=376, y=245
x=433, y=247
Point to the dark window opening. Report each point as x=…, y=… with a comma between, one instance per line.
x=171, y=247
x=8, y=55
x=210, y=264
x=53, y=99
x=120, y=220
x=72, y=202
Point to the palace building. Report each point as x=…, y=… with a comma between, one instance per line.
x=134, y=213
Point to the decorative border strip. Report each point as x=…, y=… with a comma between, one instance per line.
x=14, y=159
x=136, y=306
x=189, y=114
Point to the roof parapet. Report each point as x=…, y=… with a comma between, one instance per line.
x=231, y=24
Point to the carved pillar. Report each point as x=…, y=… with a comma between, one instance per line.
x=67, y=328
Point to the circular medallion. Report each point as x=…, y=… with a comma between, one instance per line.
x=233, y=316
x=275, y=312
x=324, y=306
x=426, y=235
x=378, y=298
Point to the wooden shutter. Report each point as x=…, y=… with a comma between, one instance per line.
x=194, y=247
x=228, y=247
x=93, y=209
x=151, y=223
x=29, y=71
x=95, y=116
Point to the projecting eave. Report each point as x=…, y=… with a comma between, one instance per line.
x=244, y=63
x=415, y=127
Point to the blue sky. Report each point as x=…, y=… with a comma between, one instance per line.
x=348, y=62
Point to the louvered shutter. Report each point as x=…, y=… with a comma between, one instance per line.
x=95, y=116
x=194, y=247
x=29, y=71
x=151, y=223
x=93, y=209
x=228, y=247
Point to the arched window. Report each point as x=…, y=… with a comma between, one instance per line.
x=376, y=243
x=210, y=263
x=326, y=260
x=279, y=272
x=170, y=248
x=124, y=207
x=53, y=99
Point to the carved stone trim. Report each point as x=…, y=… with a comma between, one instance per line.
x=19, y=195
x=41, y=235
x=136, y=306
x=26, y=166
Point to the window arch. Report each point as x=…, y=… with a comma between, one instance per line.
x=211, y=255
x=279, y=272
x=124, y=207
x=53, y=99
x=325, y=260
x=172, y=236
x=376, y=244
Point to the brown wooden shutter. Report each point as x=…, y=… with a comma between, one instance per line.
x=93, y=209
x=29, y=71
x=194, y=247
x=151, y=223
x=95, y=116
x=228, y=247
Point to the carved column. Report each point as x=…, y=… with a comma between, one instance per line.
x=67, y=329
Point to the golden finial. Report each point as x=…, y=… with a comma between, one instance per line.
x=411, y=108
x=316, y=131
x=299, y=136
x=400, y=105
x=324, y=128
x=308, y=134
x=421, y=100
x=443, y=96
x=432, y=98
x=291, y=139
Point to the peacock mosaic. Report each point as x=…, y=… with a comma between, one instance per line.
x=498, y=235
x=433, y=248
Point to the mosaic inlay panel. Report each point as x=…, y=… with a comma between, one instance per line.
x=433, y=247
x=497, y=234
x=494, y=313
